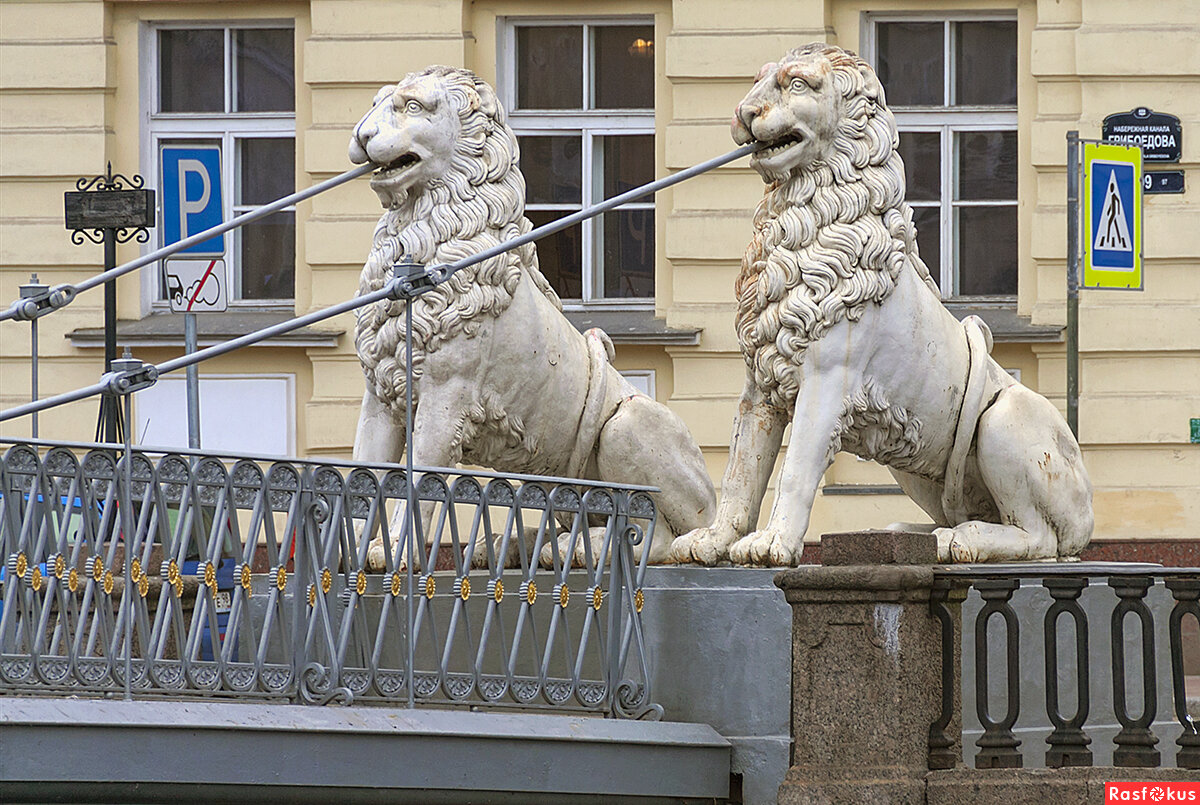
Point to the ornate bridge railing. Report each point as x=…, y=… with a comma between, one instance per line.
x=1077, y=655
x=250, y=579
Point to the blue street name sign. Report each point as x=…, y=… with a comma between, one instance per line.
x=191, y=196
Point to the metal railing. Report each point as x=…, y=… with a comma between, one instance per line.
x=1067, y=649
x=249, y=580
x=62, y=627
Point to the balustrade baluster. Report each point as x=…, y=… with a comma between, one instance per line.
x=1187, y=596
x=1135, y=742
x=944, y=751
x=997, y=745
x=1068, y=742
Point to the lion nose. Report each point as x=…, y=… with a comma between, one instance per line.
x=743, y=119
x=363, y=133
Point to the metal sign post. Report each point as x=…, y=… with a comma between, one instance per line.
x=31, y=290
x=192, y=203
x=103, y=210
x=1073, y=282
x=1113, y=185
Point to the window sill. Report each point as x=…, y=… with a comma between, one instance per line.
x=632, y=326
x=166, y=330
x=1001, y=317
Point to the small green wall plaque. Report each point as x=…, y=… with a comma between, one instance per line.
x=1196, y=431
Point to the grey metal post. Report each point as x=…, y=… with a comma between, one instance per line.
x=32, y=289
x=193, y=381
x=1073, y=281
x=126, y=364
x=616, y=584
x=127, y=528
x=410, y=495
x=109, y=410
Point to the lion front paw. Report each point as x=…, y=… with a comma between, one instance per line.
x=951, y=548
x=767, y=548
x=706, y=546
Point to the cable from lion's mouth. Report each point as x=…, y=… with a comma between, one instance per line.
x=399, y=163
x=780, y=145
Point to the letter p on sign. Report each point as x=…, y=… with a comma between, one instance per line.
x=191, y=196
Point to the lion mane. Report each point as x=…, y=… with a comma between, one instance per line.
x=829, y=239
x=480, y=202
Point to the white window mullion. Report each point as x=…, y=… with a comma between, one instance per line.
x=233, y=247
x=587, y=240
x=589, y=93
x=948, y=74
x=949, y=250
x=228, y=71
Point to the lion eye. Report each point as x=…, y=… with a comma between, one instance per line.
x=414, y=107
x=798, y=85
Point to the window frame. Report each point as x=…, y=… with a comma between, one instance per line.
x=227, y=127
x=949, y=120
x=589, y=124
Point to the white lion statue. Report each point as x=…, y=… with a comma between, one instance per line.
x=501, y=378
x=844, y=336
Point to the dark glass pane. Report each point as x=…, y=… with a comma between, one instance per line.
x=912, y=62
x=628, y=163
x=987, y=250
x=560, y=255
x=191, y=70
x=928, y=221
x=986, y=64
x=550, y=67
x=922, y=155
x=266, y=73
x=268, y=167
x=624, y=67
x=268, y=262
x=987, y=165
x=629, y=254
x=553, y=168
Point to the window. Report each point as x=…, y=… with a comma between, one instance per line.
x=235, y=88
x=581, y=101
x=952, y=84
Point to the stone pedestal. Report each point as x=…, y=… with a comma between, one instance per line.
x=866, y=670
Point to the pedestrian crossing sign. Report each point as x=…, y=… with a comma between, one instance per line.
x=1112, y=182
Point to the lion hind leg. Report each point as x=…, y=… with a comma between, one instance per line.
x=1032, y=466
x=646, y=443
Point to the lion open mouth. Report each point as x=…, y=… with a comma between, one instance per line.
x=397, y=165
x=780, y=145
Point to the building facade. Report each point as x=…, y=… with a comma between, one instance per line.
x=605, y=96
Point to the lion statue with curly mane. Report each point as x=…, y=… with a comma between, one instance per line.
x=501, y=378
x=844, y=336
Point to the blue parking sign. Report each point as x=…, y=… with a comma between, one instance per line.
x=191, y=196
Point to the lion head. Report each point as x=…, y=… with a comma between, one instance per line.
x=450, y=186
x=832, y=233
